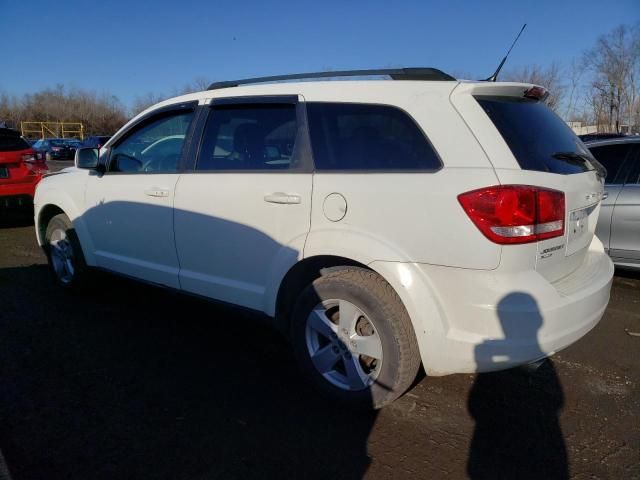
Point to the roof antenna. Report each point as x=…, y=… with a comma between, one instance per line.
x=494, y=77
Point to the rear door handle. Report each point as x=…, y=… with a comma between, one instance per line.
x=157, y=192
x=282, y=198
x=605, y=195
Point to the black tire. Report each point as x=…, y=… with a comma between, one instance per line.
x=382, y=307
x=76, y=268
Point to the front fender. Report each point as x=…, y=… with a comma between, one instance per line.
x=64, y=201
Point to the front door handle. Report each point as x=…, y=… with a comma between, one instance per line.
x=282, y=198
x=157, y=192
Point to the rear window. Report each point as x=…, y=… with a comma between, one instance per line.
x=537, y=137
x=349, y=136
x=10, y=142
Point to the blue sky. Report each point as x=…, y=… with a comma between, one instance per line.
x=130, y=48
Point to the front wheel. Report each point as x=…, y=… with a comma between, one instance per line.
x=64, y=252
x=353, y=338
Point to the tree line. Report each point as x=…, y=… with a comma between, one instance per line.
x=99, y=113
x=601, y=87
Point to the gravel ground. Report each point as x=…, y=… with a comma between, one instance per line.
x=130, y=381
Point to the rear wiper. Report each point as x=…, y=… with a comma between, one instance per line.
x=581, y=159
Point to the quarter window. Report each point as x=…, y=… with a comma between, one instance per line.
x=154, y=147
x=250, y=137
x=349, y=136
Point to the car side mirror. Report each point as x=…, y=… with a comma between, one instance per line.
x=86, y=158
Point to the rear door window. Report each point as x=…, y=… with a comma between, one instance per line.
x=612, y=157
x=10, y=142
x=259, y=137
x=537, y=137
x=352, y=136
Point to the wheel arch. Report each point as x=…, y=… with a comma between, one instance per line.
x=56, y=206
x=45, y=215
x=299, y=276
x=416, y=293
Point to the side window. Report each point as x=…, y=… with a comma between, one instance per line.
x=249, y=137
x=349, y=136
x=155, y=146
x=612, y=157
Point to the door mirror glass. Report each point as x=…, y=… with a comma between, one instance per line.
x=86, y=158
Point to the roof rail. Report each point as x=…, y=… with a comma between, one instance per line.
x=418, y=73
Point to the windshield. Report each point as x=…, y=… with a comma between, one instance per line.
x=537, y=137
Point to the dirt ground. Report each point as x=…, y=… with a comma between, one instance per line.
x=130, y=381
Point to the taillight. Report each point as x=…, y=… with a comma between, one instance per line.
x=28, y=157
x=508, y=214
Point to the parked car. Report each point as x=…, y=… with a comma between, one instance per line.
x=380, y=224
x=19, y=171
x=619, y=220
x=73, y=143
x=95, y=141
x=56, y=149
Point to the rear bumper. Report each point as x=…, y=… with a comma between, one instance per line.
x=14, y=194
x=480, y=321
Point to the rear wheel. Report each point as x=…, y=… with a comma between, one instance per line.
x=353, y=338
x=64, y=252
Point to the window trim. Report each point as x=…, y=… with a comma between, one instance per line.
x=378, y=170
x=146, y=119
x=302, y=141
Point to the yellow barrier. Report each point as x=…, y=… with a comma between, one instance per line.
x=52, y=129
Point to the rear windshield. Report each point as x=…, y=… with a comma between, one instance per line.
x=537, y=137
x=10, y=142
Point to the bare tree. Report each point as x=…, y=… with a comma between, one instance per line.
x=143, y=102
x=614, y=62
x=198, y=84
x=99, y=113
x=574, y=97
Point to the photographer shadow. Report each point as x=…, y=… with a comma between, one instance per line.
x=517, y=432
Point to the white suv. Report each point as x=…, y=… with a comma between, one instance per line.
x=382, y=224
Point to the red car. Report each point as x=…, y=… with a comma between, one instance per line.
x=19, y=170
